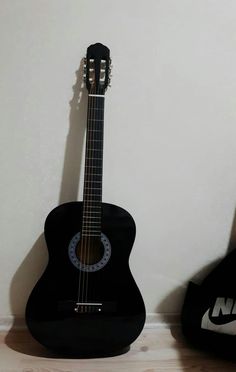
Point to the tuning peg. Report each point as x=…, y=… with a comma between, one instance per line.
x=85, y=64
x=84, y=69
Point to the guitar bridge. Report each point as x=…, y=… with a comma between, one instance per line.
x=88, y=307
x=67, y=306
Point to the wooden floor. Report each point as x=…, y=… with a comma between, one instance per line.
x=156, y=350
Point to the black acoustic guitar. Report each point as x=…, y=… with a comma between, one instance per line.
x=86, y=303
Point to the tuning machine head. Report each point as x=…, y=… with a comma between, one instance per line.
x=96, y=68
x=109, y=72
x=84, y=69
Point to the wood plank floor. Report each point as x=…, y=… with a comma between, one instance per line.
x=156, y=350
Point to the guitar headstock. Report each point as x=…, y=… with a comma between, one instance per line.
x=97, y=68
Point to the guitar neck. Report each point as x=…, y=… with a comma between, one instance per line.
x=92, y=194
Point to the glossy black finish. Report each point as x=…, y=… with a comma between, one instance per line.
x=50, y=313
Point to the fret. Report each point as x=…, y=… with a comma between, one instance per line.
x=94, y=144
x=93, y=188
x=92, y=181
x=92, y=193
x=94, y=162
x=93, y=166
x=85, y=225
x=91, y=230
x=92, y=196
x=91, y=234
x=91, y=215
x=95, y=174
x=88, y=205
x=96, y=123
x=91, y=153
x=96, y=117
x=91, y=185
x=88, y=174
x=89, y=224
x=94, y=130
x=96, y=223
x=94, y=217
x=92, y=201
x=95, y=140
x=97, y=143
x=95, y=206
x=96, y=95
x=94, y=158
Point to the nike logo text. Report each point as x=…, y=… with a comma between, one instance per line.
x=223, y=306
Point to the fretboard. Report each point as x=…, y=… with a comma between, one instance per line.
x=92, y=196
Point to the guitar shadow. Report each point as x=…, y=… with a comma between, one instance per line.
x=34, y=263
x=188, y=355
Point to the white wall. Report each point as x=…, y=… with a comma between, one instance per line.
x=170, y=148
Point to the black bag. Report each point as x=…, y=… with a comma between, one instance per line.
x=209, y=311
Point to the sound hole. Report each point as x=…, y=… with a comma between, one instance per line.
x=90, y=251
x=92, y=255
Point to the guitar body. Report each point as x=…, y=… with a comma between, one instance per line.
x=114, y=315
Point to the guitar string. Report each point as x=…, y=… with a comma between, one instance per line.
x=90, y=197
x=97, y=165
x=90, y=194
x=101, y=113
x=80, y=254
x=80, y=295
x=96, y=131
x=87, y=198
x=93, y=172
x=85, y=240
x=95, y=169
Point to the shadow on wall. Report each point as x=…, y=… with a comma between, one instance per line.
x=34, y=263
x=177, y=295
x=71, y=176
